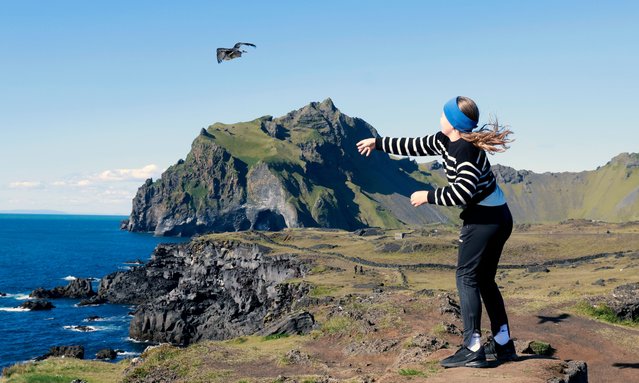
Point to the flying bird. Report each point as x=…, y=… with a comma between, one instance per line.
x=231, y=53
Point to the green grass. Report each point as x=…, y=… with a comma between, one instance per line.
x=410, y=372
x=541, y=348
x=336, y=325
x=321, y=291
x=64, y=370
x=246, y=141
x=274, y=336
x=603, y=313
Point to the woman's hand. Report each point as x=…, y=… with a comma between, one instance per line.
x=419, y=197
x=366, y=146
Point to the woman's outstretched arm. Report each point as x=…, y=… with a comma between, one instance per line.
x=430, y=145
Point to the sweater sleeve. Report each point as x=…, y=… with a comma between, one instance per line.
x=430, y=145
x=464, y=186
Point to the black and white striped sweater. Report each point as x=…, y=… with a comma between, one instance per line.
x=467, y=168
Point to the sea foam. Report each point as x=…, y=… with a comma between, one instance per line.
x=13, y=309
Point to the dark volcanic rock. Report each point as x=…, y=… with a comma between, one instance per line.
x=367, y=232
x=37, y=305
x=94, y=300
x=505, y=174
x=448, y=304
x=623, y=301
x=81, y=328
x=574, y=371
x=300, y=323
x=537, y=269
x=106, y=353
x=64, y=351
x=77, y=288
x=274, y=129
x=143, y=284
x=209, y=290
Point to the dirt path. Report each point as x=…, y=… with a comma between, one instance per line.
x=611, y=352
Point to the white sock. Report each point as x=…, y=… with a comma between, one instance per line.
x=475, y=342
x=503, y=336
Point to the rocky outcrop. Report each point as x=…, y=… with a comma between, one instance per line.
x=64, y=351
x=107, y=353
x=37, y=305
x=211, y=290
x=77, y=288
x=624, y=301
x=573, y=371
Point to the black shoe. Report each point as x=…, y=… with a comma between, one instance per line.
x=503, y=353
x=466, y=358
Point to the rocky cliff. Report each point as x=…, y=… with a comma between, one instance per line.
x=210, y=290
x=298, y=170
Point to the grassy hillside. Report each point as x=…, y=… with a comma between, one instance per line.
x=610, y=193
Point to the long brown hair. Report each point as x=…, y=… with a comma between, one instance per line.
x=489, y=139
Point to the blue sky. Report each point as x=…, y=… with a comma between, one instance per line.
x=96, y=96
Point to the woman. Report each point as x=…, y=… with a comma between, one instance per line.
x=487, y=222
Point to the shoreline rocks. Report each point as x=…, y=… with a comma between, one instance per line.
x=211, y=290
x=77, y=288
x=37, y=305
x=107, y=353
x=63, y=351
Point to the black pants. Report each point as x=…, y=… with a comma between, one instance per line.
x=483, y=235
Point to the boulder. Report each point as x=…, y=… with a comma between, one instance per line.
x=106, y=353
x=37, y=305
x=573, y=371
x=625, y=301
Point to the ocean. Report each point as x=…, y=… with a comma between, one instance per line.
x=48, y=251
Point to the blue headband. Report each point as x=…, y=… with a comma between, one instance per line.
x=457, y=118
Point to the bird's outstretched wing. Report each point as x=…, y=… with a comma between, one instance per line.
x=221, y=54
x=238, y=45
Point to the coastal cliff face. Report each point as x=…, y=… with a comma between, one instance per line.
x=206, y=190
x=210, y=290
x=298, y=170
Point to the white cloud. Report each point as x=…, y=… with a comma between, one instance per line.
x=25, y=185
x=109, y=176
x=109, y=191
x=149, y=171
x=84, y=183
